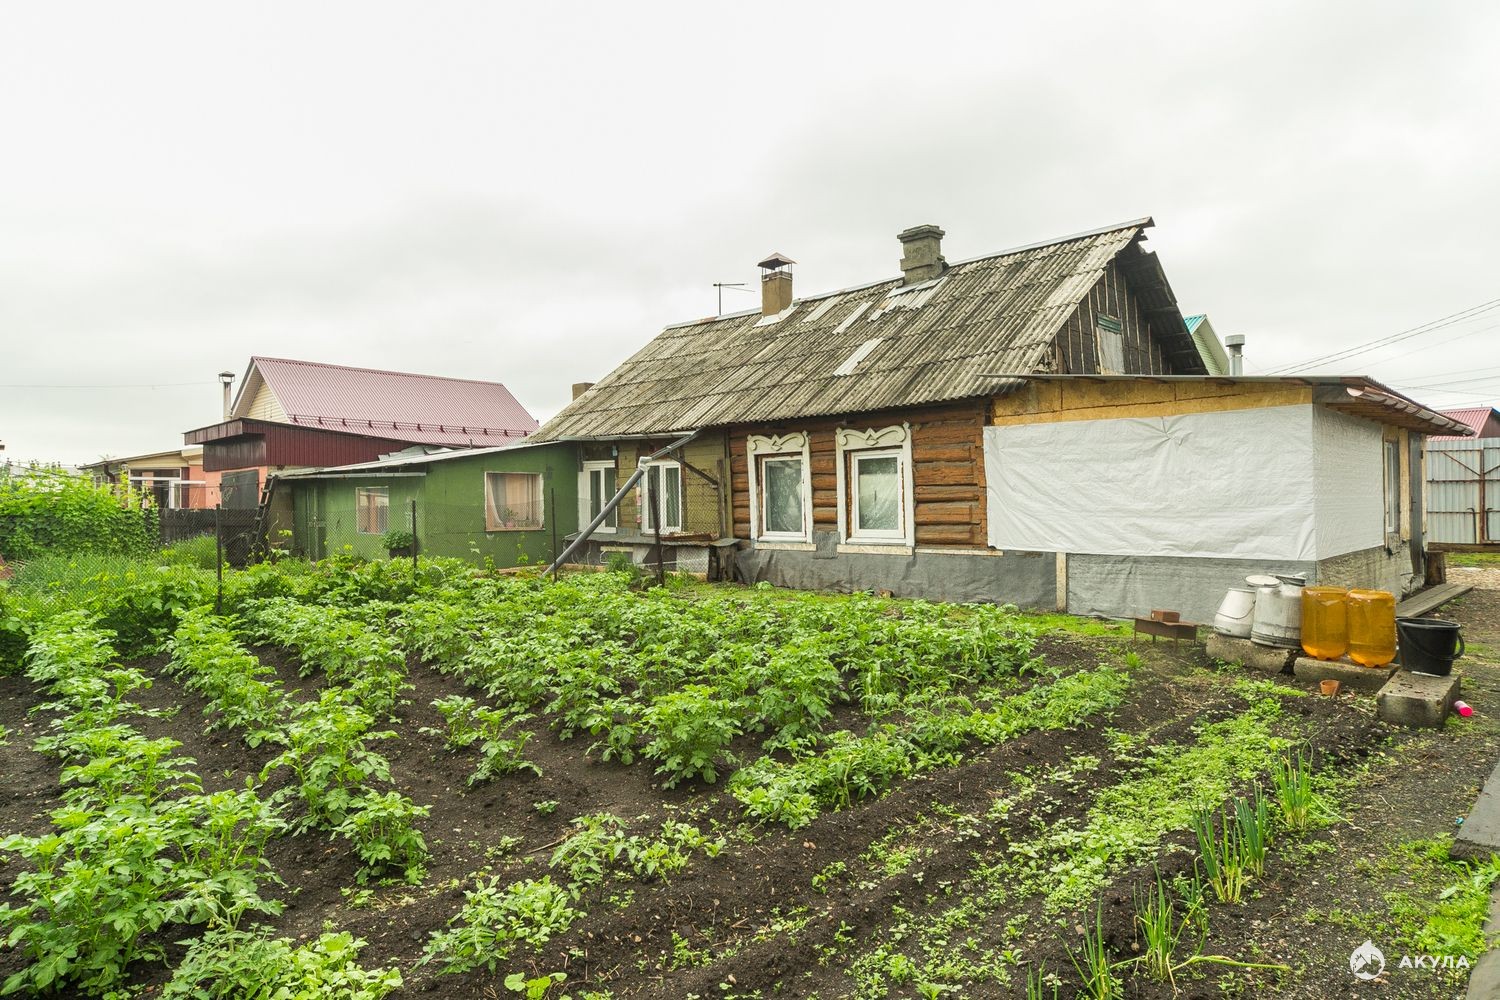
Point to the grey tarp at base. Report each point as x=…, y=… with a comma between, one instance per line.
x=1026, y=579
x=1126, y=586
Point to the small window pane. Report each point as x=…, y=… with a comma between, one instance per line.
x=783, y=495
x=879, y=493
x=512, y=500
x=371, y=509
x=671, y=509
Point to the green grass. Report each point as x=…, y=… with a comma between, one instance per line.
x=1439, y=908
x=1479, y=560
x=1078, y=626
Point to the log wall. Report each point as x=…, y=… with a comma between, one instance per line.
x=948, y=470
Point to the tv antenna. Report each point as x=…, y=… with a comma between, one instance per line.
x=721, y=285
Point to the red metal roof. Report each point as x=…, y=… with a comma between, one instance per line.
x=1483, y=420
x=422, y=409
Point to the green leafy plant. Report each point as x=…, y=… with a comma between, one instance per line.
x=1091, y=961
x=1253, y=818
x=398, y=540
x=535, y=988
x=495, y=921
x=688, y=730
x=1301, y=806
x=230, y=965
x=1222, y=851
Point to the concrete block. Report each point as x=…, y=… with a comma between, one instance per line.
x=1350, y=675
x=1479, y=836
x=1418, y=700
x=1244, y=652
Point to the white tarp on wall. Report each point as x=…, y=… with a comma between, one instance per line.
x=1349, y=483
x=1236, y=484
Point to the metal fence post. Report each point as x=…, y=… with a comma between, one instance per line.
x=552, y=516
x=219, y=558
x=413, y=534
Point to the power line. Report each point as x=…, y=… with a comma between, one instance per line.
x=117, y=385
x=1416, y=331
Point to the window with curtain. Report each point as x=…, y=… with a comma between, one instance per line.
x=372, y=509
x=781, y=496
x=512, y=501
x=879, y=508
x=663, y=482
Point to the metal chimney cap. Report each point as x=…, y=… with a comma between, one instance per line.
x=774, y=260
x=1235, y=340
x=226, y=377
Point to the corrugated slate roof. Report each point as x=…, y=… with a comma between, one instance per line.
x=402, y=406
x=935, y=342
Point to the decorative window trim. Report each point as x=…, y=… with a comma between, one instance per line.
x=758, y=446
x=895, y=438
x=590, y=467
x=643, y=489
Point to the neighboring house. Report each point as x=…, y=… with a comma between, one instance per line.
x=1210, y=347
x=507, y=504
x=292, y=415
x=1463, y=480
x=1036, y=426
x=1483, y=421
x=175, y=479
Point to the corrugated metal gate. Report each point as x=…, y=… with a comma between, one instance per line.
x=1463, y=491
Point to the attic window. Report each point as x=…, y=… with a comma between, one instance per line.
x=1111, y=336
x=860, y=353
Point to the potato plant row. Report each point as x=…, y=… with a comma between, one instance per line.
x=327, y=744
x=138, y=845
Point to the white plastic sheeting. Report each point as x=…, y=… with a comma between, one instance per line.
x=1236, y=484
x=1348, y=483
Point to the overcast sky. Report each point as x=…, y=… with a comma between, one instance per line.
x=527, y=193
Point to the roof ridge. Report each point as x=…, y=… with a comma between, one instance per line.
x=257, y=358
x=1144, y=222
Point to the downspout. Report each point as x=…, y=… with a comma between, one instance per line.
x=607, y=509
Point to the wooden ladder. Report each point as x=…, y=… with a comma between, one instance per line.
x=260, y=545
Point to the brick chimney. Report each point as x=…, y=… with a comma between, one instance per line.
x=922, y=257
x=775, y=284
x=579, y=388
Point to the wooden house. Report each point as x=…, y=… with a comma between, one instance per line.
x=864, y=439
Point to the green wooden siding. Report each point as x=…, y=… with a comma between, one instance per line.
x=450, y=498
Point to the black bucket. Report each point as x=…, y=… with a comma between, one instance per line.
x=1429, y=645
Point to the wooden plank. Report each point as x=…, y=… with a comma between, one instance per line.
x=936, y=494
x=1431, y=599
x=945, y=513
x=1463, y=546
x=945, y=534
x=942, y=452
x=943, y=473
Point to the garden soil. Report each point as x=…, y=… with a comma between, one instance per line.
x=712, y=930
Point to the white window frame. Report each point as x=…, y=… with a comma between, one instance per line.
x=1390, y=472
x=759, y=447
x=494, y=524
x=851, y=444
x=664, y=464
x=586, y=492
x=384, y=493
